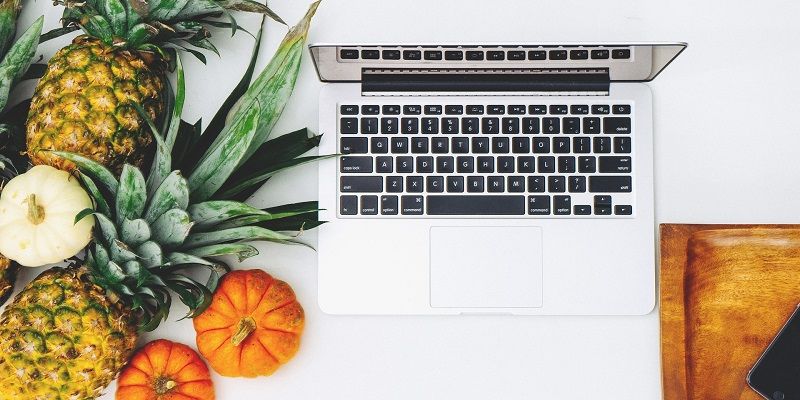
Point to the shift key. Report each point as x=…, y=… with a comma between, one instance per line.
x=609, y=184
x=362, y=184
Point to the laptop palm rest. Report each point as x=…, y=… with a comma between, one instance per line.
x=486, y=267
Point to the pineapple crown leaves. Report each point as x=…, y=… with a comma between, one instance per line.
x=151, y=233
x=17, y=60
x=148, y=25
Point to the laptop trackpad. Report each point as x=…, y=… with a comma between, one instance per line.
x=486, y=267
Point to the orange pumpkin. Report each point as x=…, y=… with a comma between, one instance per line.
x=164, y=370
x=252, y=326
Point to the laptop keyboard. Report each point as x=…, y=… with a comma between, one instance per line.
x=544, y=160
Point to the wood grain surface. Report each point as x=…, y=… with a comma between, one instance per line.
x=725, y=291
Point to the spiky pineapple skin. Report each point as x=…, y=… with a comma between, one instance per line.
x=84, y=104
x=62, y=338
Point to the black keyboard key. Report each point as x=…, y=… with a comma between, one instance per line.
x=424, y=164
x=459, y=145
x=546, y=164
x=450, y=125
x=362, y=184
x=562, y=205
x=455, y=184
x=389, y=205
x=369, y=205
x=495, y=55
x=356, y=164
x=445, y=165
x=601, y=109
x=510, y=125
x=616, y=125
x=475, y=184
x=348, y=110
x=394, y=184
x=453, y=55
x=434, y=184
x=476, y=205
x=572, y=125
x=602, y=205
x=526, y=164
x=466, y=164
x=602, y=144
x=566, y=164
x=480, y=145
x=496, y=110
x=591, y=125
x=537, y=55
x=582, y=145
x=475, y=110
x=516, y=109
x=470, y=125
x=620, y=54
x=490, y=125
x=583, y=210
x=551, y=125
x=520, y=145
x=614, y=164
x=399, y=145
x=380, y=145
x=495, y=184
x=370, y=110
x=541, y=145
x=500, y=145
x=454, y=110
x=412, y=109
x=433, y=55
x=415, y=184
x=609, y=184
x=433, y=110
x=389, y=125
x=475, y=55
x=556, y=184
x=539, y=205
x=370, y=54
x=430, y=126
x=412, y=205
x=537, y=109
x=384, y=164
x=576, y=184
x=505, y=164
x=348, y=205
x=602, y=210
x=623, y=209
x=391, y=109
x=577, y=109
x=369, y=125
x=558, y=109
x=440, y=145
x=622, y=145
x=621, y=109
x=536, y=184
x=599, y=55
x=419, y=145
x=412, y=54
x=348, y=54
x=558, y=54
x=391, y=54
x=516, y=55
x=561, y=145
x=516, y=184
x=348, y=125
x=353, y=145
x=404, y=164
x=587, y=164
x=530, y=125
x=578, y=54
x=486, y=164
x=410, y=125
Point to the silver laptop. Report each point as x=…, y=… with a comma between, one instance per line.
x=488, y=179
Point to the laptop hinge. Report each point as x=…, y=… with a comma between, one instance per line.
x=547, y=82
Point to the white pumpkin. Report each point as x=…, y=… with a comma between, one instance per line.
x=37, y=217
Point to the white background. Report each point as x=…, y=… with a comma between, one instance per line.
x=726, y=119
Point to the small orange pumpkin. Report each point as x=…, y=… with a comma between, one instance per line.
x=164, y=370
x=252, y=326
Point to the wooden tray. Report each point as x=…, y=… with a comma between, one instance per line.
x=725, y=291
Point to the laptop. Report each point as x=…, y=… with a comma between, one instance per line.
x=488, y=178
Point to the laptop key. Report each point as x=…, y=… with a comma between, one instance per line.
x=572, y=125
x=348, y=54
x=433, y=55
x=369, y=125
x=613, y=164
x=394, y=184
x=496, y=109
x=440, y=145
x=562, y=205
x=480, y=145
x=599, y=55
x=619, y=54
x=505, y=165
x=582, y=145
x=434, y=184
x=578, y=54
x=556, y=184
x=475, y=184
x=516, y=55
x=449, y=126
x=591, y=125
x=466, y=164
x=476, y=205
x=389, y=205
x=621, y=109
x=391, y=54
x=516, y=109
x=490, y=125
x=412, y=205
x=558, y=109
x=583, y=210
x=470, y=125
x=370, y=109
x=520, y=145
x=541, y=145
x=433, y=110
x=537, y=109
x=609, y=184
x=454, y=109
x=460, y=145
x=410, y=125
x=546, y=164
x=348, y=205
x=369, y=205
x=566, y=164
x=348, y=110
x=353, y=145
x=404, y=164
x=495, y=184
x=602, y=144
x=348, y=125
x=587, y=164
x=384, y=165
x=370, y=54
x=414, y=184
x=558, y=54
x=551, y=125
x=623, y=209
x=537, y=55
x=579, y=109
x=526, y=164
x=419, y=145
x=363, y=184
x=455, y=184
x=577, y=184
x=412, y=109
x=622, y=144
x=601, y=109
x=495, y=55
x=539, y=205
x=616, y=125
x=516, y=184
x=530, y=125
x=389, y=125
x=536, y=184
x=412, y=54
x=474, y=110
x=356, y=164
x=510, y=125
x=561, y=145
x=475, y=55
x=380, y=145
x=399, y=145
x=500, y=145
x=453, y=55
x=425, y=165
x=430, y=126
x=445, y=164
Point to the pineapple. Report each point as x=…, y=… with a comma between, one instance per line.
x=70, y=331
x=86, y=101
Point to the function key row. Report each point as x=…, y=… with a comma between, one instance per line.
x=486, y=55
x=492, y=109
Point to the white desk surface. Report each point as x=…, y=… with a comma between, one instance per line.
x=726, y=151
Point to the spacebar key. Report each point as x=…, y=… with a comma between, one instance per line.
x=476, y=205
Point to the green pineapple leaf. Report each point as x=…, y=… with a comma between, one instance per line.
x=172, y=193
x=16, y=62
x=131, y=194
x=211, y=213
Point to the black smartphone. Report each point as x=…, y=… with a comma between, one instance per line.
x=776, y=375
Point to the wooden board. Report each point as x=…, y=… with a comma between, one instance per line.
x=725, y=291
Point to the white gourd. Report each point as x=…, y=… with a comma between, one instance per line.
x=37, y=217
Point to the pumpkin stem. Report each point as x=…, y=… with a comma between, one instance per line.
x=164, y=384
x=246, y=326
x=35, y=211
